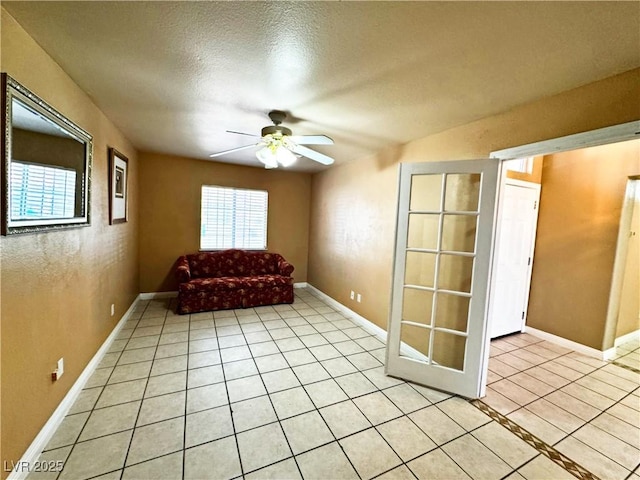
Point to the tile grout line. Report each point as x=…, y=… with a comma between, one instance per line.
x=253, y=358
x=316, y=409
x=547, y=450
x=336, y=440
x=186, y=397
x=133, y=430
x=226, y=389
x=93, y=408
x=625, y=366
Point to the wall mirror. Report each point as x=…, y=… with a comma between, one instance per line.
x=46, y=165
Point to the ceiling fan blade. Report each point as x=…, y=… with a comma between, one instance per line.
x=311, y=139
x=242, y=133
x=224, y=152
x=313, y=155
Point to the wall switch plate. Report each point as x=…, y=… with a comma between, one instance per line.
x=113, y=309
x=359, y=299
x=353, y=295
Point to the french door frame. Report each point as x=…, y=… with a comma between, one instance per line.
x=468, y=381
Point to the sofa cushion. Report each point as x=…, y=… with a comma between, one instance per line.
x=233, y=263
x=212, y=284
x=267, y=281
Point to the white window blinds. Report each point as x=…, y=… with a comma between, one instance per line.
x=39, y=191
x=233, y=218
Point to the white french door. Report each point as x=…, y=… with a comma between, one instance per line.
x=438, y=321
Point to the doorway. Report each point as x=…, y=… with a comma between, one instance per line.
x=570, y=289
x=623, y=316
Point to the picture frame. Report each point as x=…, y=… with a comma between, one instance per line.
x=118, y=187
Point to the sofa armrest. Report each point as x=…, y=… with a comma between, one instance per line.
x=183, y=272
x=285, y=268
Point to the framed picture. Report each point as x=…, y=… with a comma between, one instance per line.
x=118, y=177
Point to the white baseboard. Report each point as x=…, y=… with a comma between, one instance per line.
x=609, y=354
x=42, y=439
x=368, y=325
x=157, y=295
x=300, y=285
x=563, y=342
x=629, y=337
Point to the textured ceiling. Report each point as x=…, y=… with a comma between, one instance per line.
x=173, y=76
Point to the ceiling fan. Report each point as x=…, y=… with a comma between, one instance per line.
x=279, y=146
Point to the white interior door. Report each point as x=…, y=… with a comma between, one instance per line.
x=513, y=260
x=438, y=320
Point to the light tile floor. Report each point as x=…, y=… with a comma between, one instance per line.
x=586, y=409
x=298, y=390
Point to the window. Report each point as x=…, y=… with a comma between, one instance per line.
x=40, y=191
x=233, y=218
x=522, y=165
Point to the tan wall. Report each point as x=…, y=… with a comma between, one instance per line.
x=170, y=212
x=580, y=205
x=57, y=287
x=629, y=315
x=353, y=205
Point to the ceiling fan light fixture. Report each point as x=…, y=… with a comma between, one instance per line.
x=267, y=157
x=271, y=156
x=285, y=157
x=277, y=146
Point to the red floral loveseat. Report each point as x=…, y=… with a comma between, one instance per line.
x=232, y=279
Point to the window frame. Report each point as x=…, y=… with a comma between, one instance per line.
x=235, y=191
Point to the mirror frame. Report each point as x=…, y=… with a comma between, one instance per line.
x=11, y=90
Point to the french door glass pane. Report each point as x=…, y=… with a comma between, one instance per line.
x=414, y=342
x=455, y=273
x=462, y=192
x=459, y=233
x=452, y=312
x=417, y=305
x=449, y=350
x=423, y=231
x=420, y=269
x=426, y=192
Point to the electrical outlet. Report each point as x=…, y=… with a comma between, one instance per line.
x=359, y=298
x=113, y=309
x=57, y=373
x=353, y=295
